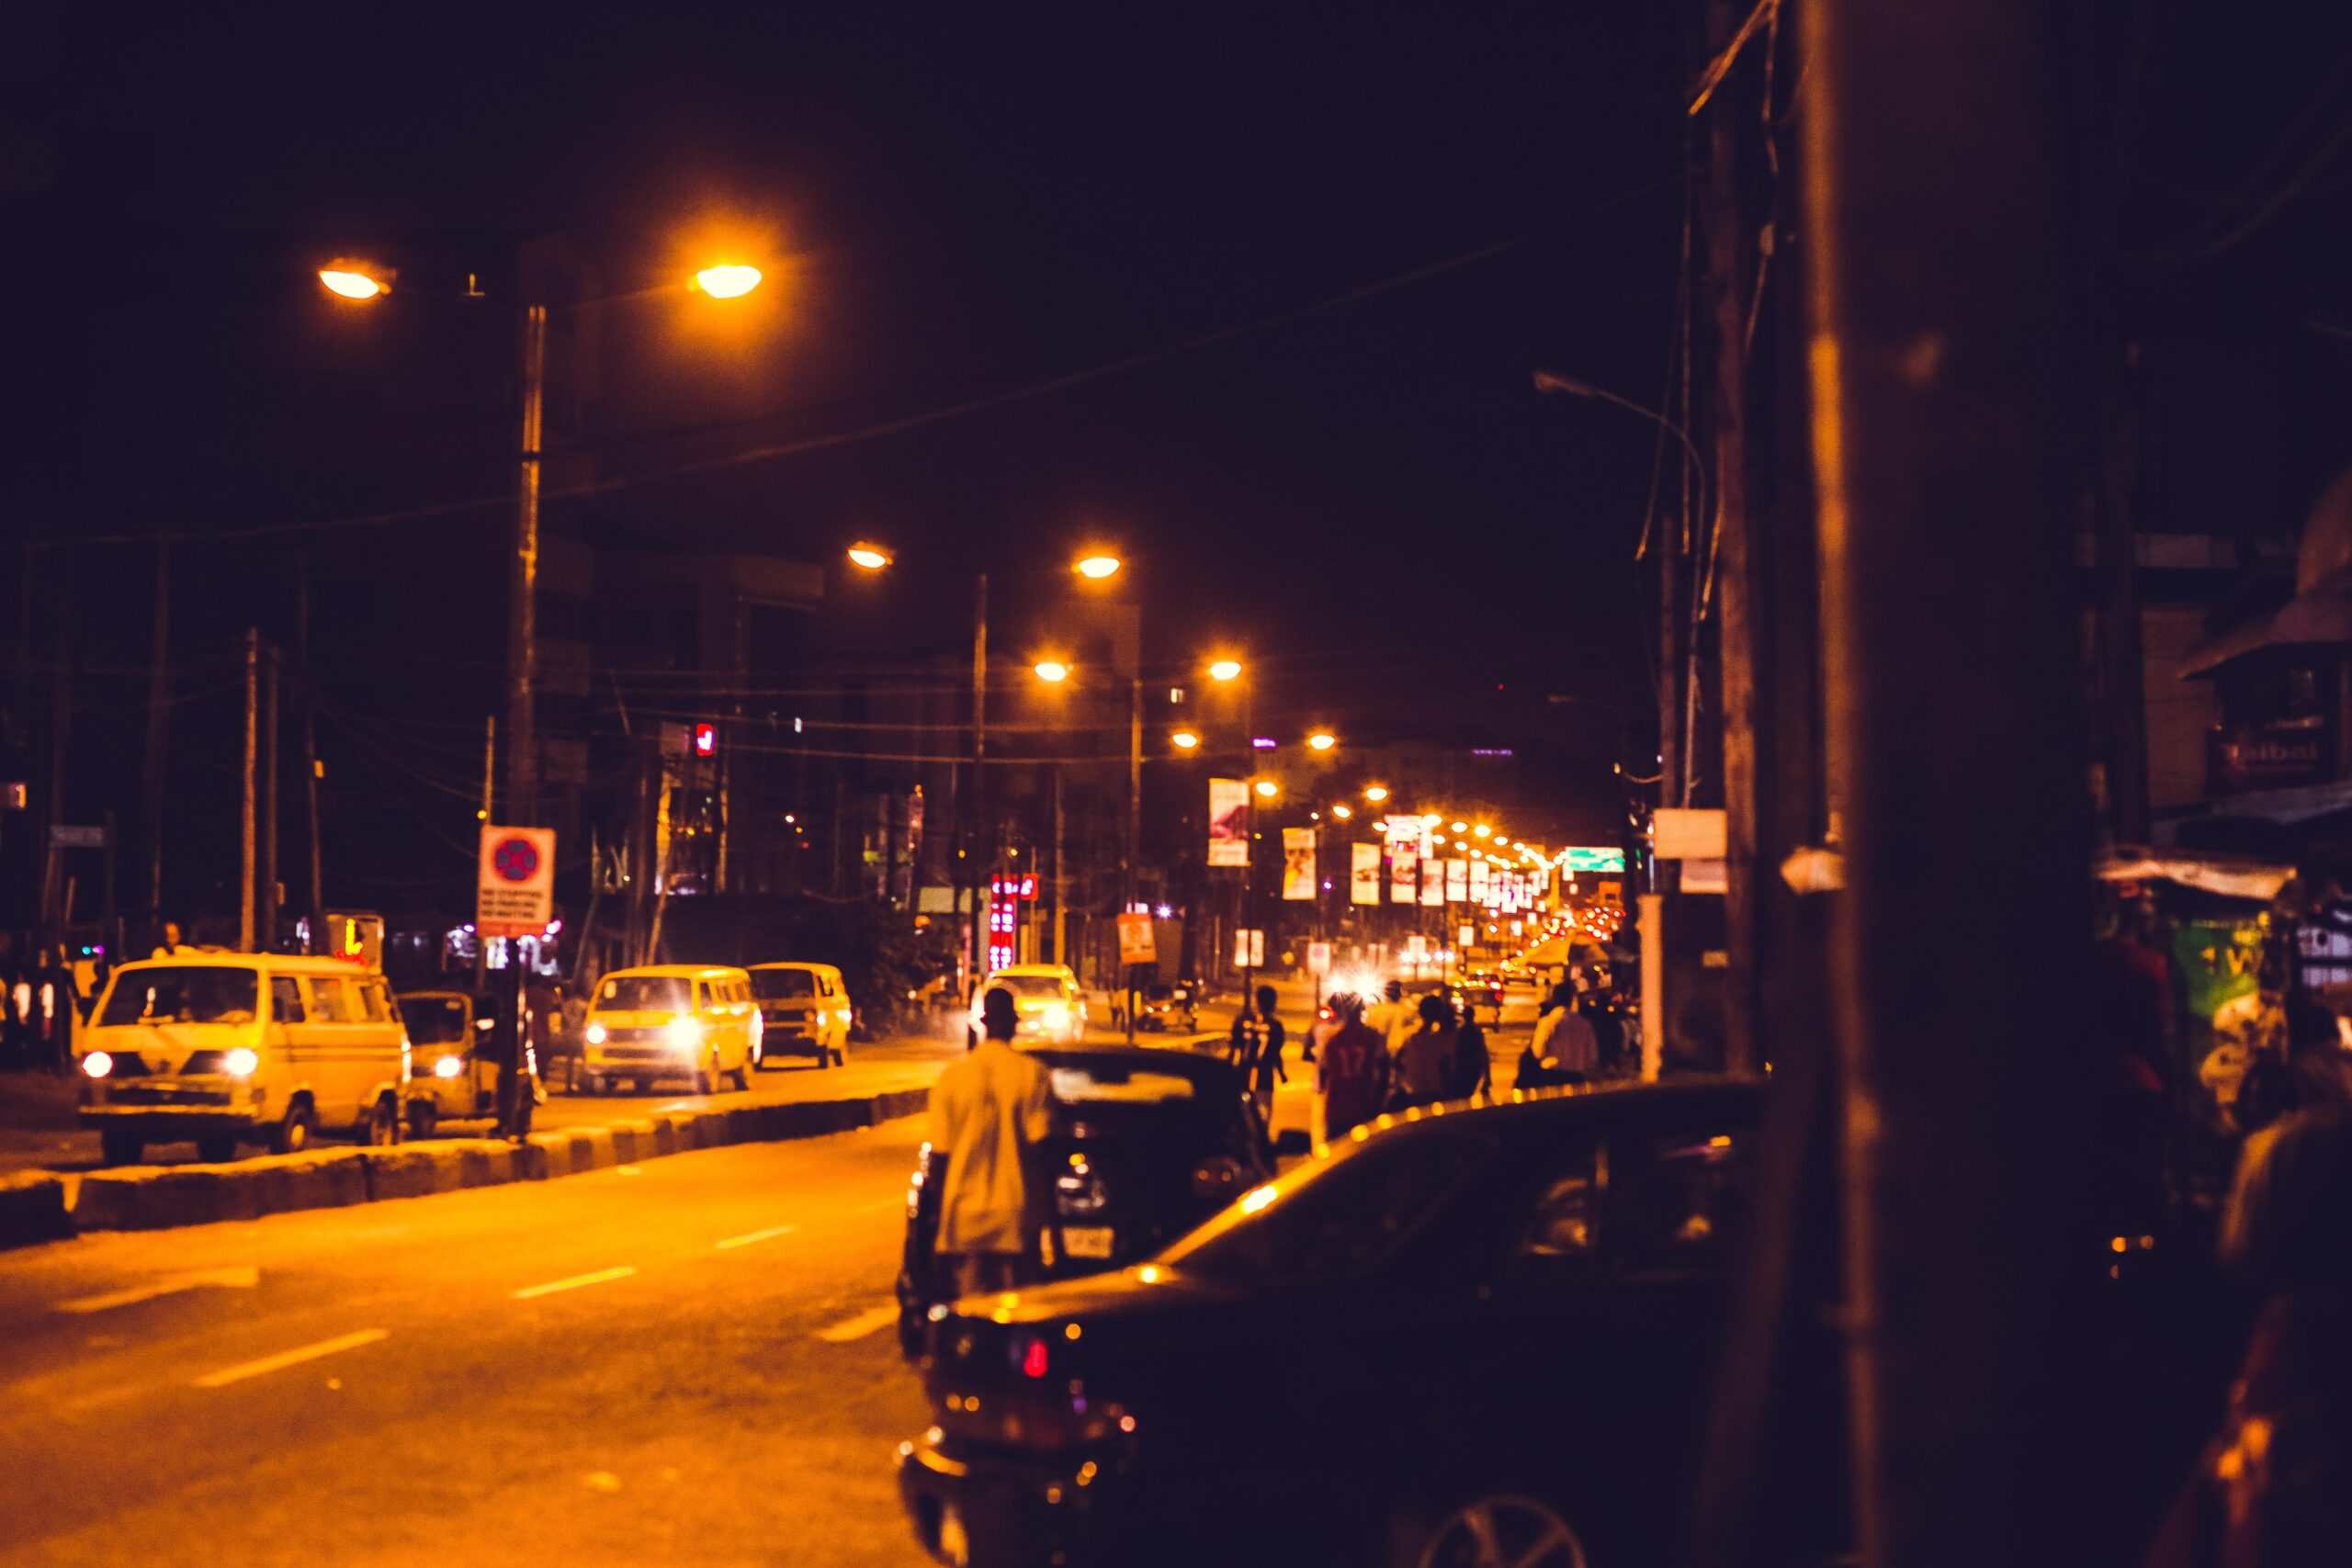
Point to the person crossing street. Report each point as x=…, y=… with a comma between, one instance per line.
x=988, y=1112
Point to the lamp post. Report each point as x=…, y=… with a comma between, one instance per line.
x=362, y=283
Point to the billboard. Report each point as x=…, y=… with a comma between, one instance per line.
x=1364, y=873
x=1457, y=881
x=1298, y=862
x=1481, y=878
x=1403, y=859
x=1433, y=881
x=1228, y=822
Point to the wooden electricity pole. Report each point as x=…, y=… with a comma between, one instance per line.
x=246, y=818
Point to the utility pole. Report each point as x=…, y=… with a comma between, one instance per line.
x=1940, y=338
x=247, y=822
x=316, y=903
x=159, y=698
x=981, y=837
x=488, y=797
x=1739, y=618
x=1061, y=878
x=522, y=645
x=266, y=911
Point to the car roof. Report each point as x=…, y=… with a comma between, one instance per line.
x=1546, y=1113
x=671, y=971
x=791, y=963
x=1188, y=1058
x=1032, y=969
x=284, y=963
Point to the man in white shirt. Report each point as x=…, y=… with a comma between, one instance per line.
x=987, y=1111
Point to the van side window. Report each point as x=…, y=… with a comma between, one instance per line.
x=825, y=983
x=285, y=999
x=330, y=1001
x=371, y=1001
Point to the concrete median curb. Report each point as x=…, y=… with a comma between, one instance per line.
x=33, y=1206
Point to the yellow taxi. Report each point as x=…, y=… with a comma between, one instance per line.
x=696, y=1022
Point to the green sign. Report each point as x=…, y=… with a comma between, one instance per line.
x=1589, y=857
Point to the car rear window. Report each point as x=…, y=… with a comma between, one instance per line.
x=1029, y=987
x=782, y=984
x=1080, y=1086
x=643, y=993
x=435, y=1021
x=1333, y=1217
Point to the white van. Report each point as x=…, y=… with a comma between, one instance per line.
x=230, y=1049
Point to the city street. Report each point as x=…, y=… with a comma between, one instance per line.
x=686, y=1362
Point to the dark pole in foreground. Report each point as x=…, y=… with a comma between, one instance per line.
x=1938, y=346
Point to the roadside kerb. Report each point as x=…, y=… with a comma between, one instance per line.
x=34, y=1207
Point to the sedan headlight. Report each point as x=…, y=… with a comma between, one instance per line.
x=1055, y=1014
x=448, y=1067
x=686, y=1034
x=240, y=1062
x=97, y=1064
x=596, y=1034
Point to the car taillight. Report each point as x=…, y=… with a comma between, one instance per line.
x=1218, y=1179
x=1078, y=1190
x=1020, y=1387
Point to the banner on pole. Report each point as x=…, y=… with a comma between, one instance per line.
x=1249, y=948
x=1404, y=859
x=1298, y=862
x=1433, y=881
x=1481, y=878
x=1364, y=873
x=1228, y=822
x=1457, y=881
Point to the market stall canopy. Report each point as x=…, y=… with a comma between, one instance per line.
x=2231, y=877
x=2321, y=611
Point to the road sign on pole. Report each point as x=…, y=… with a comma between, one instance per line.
x=1250, y=948
x=515, y=895
x=1319, y=958
x=1135, y=942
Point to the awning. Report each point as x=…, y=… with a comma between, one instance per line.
x=2231, y=877
x=2316, y=618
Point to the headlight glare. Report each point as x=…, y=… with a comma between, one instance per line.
x=97, y=1064
x=686, y=1034
x=240, y=1062
x=448, y=1067
x=595, y=1035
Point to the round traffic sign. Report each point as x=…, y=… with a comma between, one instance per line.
x=515, y=859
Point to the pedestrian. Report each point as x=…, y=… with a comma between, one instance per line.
x=171, y=946
x=1473, y=1066
x=988, y=1112
x=1351, y=1069
x=1394, y=1017
x=2274, y=1487
x=1564, y=1042
x=1425, y=1061
x=1257, y=1049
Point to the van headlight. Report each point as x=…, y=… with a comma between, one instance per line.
x=448, y=1067
x=596, y=1034
x=97, y=1064
x=1055, y=1014
x=686, y=1034
x=240, y=1062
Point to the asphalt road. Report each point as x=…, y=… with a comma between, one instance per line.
x=685, y=1362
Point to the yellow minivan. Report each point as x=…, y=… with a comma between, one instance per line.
x=671, y=1021
x=230, y=1049
x=804, y=1012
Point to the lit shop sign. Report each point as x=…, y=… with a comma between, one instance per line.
x=1587, y=857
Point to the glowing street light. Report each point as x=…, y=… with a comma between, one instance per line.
x=1375, y=793
x=1483, y=831
x=1462, y=826
x=353, y=280
x=1226, y=669
x=729, y=280
x=1431, y=820
x=868, y=558
x=1343, y=812
x=1322, y=740
x=1052, y=670
x=1097, y=566
x=1267, y=789
x=1184, y=740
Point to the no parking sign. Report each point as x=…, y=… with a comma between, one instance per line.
x=515, y=895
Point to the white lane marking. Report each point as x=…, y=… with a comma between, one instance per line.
x=294, y=1357
x=552, y=1286
x=170, y=1284
x=768, y=1234
x=872, y=1320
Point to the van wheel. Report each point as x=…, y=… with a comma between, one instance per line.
x=742, y=1077
x=293, y=1134
x=422, y=1117
x=588, y=1083
x=120, y=1147
x=841, y=1055
x=216, y=1151
x=707, y=1079
x=384, y=1123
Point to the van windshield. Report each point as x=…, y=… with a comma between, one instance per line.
x=435, y=1021
x=782, y=984
x=643, y=993
x=180, y=994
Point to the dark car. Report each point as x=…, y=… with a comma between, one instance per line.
x=1168, y=1009
x=1147, y=1143
x=1479, y=1335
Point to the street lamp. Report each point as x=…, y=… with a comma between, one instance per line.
x=356, y=280
x=1342, y=811
x=1267, y=789
x=868, y=558
x=1226, y=669
x=1483, y=831
x=1184, y=740
x=729, y=280
x=1052, y=671
x=1375, y=793
x=1322, y=740
x=1096, y=566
